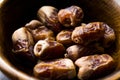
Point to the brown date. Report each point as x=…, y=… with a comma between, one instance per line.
x=38, y=31
x=94, y=65
x=109, y=36
x=70, y=16
x=88, y=33
x=23, y=44
x=33, y=24
x=48, y=49
x=48, y=15
x=57, y=69
x=64, y=37
x=76, y=51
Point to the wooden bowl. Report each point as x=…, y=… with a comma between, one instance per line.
x=16, y=13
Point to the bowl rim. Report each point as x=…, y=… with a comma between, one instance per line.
x=12, y=72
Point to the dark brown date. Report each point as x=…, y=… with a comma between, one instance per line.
x=48, y=15
x=109, y=36
x=70, y=16
x=76, y=51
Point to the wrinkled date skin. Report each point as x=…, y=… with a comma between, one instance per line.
x=48, y=49
x=48, y=15
x=33, y=24
x=76, y=51
x=88, y=33
x=70, y=16
x=38, y=31
x=23, y=44
x=94, y=65
x=109, y=36
x=57, y=69
x=64, y=37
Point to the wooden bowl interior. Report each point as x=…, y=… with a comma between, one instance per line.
x=17, y=13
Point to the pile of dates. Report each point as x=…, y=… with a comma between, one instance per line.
x=63, y=47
